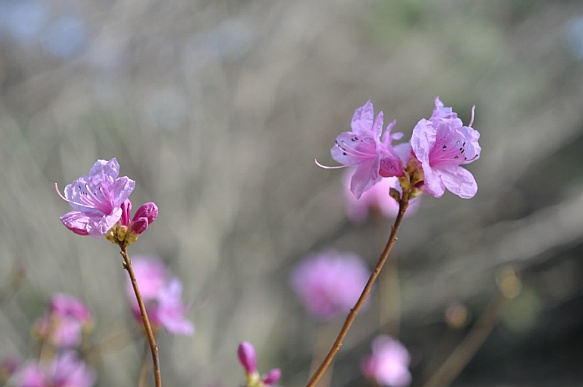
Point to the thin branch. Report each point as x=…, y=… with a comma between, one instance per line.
x=153, y=347
x=403, y=204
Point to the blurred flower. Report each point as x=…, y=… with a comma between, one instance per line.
x=388, y=363
x=162, y=297
x=248, y=360
x=96, y=199
x=441, y=144
x=8, y=366
x=363, y=148
x=67, y=370
x=375, y=201
x=66, y=322
x=329, y=283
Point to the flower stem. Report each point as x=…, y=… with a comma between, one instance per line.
x=153, y=347
x=403, y=204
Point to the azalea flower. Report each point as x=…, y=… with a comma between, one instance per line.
x=96, y=199
x=363, y=148
x=387, y=365
x=248, y=360
x=329, y=283
x=66, y=323
x=441, y=145
x=161, y=295
x=67, y=370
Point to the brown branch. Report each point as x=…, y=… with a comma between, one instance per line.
x=153, y=347
x=403, y=204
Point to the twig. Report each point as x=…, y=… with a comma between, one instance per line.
x=153, y=347
x=403, y=204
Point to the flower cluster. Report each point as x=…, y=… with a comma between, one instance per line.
x=387, y=366
x=430, y=162
x=66, y=324
x=248, y=360
x=66, y=370
x=329, y=283
x=63, y=329
x=161, y=295
x=101, y=205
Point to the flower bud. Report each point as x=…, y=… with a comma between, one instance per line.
x=126, y=207
x=272, y=377
x=247, y=357
x=147, y=210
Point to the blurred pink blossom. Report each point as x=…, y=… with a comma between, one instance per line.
x=162, y=296
x=329, y=283
x=388, y=364
x=374, y=201
x=66, y=322
x=67, y=370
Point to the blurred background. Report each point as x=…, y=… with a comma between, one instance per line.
x=217, y=110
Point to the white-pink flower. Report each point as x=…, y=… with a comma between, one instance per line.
x=388, y=364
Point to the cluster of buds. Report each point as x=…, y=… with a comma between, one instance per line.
x=126, y=231
x=248, y=360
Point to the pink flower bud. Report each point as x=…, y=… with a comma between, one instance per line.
x=139, y=225
x=126, y=207
x=147, y=210
x=272, y=377
x=247, y=357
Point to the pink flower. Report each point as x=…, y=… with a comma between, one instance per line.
x=162, y=296
x=66, y=322
x=374, y=201
x=388, y=363
x=329, y=283
x=441, y=145
x=248, y=360
x=65, y=371
x=363, y=148
x=96, y=199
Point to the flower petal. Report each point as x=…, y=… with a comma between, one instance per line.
x=459, y=181
x=362, y=119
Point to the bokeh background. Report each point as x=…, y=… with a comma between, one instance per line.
x=218, y=108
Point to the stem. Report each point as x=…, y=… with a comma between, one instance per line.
x=403, y=204
x=153, y=347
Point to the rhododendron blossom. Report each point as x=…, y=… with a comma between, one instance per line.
x=387, y=365
x=441, y=145
x=329, y=283
x=161, y=295
x=96, y=199
x=66, y=323
x=363, y=148
x=67, y=370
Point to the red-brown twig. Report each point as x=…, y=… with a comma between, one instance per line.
x=153, y=347
x=403, y=204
